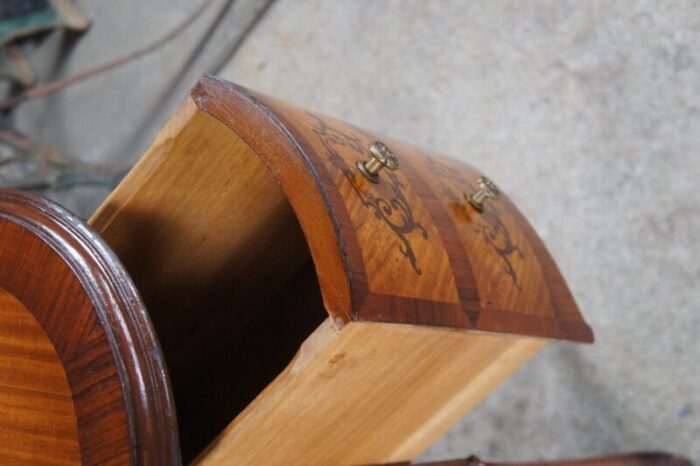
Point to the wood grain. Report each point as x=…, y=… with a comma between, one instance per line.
x=413, y=251
x=87, y=309
x=37, y=416
x=249, y=233
x=371, y=393
x=246, y=223
x=214, y=247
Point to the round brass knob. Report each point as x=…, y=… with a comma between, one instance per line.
x=381, y=157
x=487, y=190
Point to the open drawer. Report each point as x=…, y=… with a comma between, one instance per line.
x=321, y=294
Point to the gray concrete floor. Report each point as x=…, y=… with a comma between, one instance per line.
x=586, y=113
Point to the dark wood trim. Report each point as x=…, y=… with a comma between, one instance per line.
x=461, y=265
x=87, y=305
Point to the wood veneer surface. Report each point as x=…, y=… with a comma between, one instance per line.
x=407, y=249
x=84, y=304
x=37, y=418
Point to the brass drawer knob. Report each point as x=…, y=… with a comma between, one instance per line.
x=381, y=157
x=487, y=190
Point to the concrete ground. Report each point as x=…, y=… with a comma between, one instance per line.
x=586, y=112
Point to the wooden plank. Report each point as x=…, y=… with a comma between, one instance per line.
x=369, y=394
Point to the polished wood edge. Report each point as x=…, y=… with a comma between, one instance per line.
x=120, y=312
x=267, y=135
x=631, y=459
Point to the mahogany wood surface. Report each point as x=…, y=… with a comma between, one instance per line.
x=408, y=249
x=74, y=310
x=36, y=406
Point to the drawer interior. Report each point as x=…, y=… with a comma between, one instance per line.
x=221, y=262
